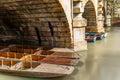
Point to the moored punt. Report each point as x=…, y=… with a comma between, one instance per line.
x=71, y=55
x=90, y=38
x=30, y=61
x=64, y=58
x=62, y=61
x=30, y=65
x=99, y=35
x=43, y=70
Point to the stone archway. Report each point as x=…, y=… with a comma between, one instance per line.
x=90, y=15
x=42, y=21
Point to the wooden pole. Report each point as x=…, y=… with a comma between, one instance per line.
x=15, y=55
x=8, y=55
x=12, y=63
x=2, y=62
x=31, y=61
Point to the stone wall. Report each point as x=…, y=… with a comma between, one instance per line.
x=47, y=17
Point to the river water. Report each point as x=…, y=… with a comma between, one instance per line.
x=100, y=62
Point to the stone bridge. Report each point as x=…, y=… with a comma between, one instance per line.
x=57, y=23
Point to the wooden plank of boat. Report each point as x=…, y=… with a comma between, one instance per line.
x=63, y=61
x=31, y=74
x=59, y=52
x=70, y=55
x=64, y=58
x=67, y=50
x=62, y=50
x=54, y=69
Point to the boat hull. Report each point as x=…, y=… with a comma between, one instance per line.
x=30, y=74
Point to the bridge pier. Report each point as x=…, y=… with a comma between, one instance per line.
x=108, y=23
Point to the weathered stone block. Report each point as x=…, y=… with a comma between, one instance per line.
x=60, y=44
x=76, y=10
x=77, y=22
x=80, y=46
x=45, y=33
x=79, y=34
x=59, y=39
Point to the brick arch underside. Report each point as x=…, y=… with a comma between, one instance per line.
x=34, y=22
x=90, y=15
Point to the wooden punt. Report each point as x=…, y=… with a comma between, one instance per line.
x=31, y=66
x=64, y=58
x=99, y=35
x=71, y=55
x=90, y=38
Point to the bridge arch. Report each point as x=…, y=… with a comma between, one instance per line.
x=43, y=22
x=90, y=15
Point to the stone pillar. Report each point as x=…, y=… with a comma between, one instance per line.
x=100, y=23
x=108, y=22
x=79, y=24
x=79, y=34
x=100, y=18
